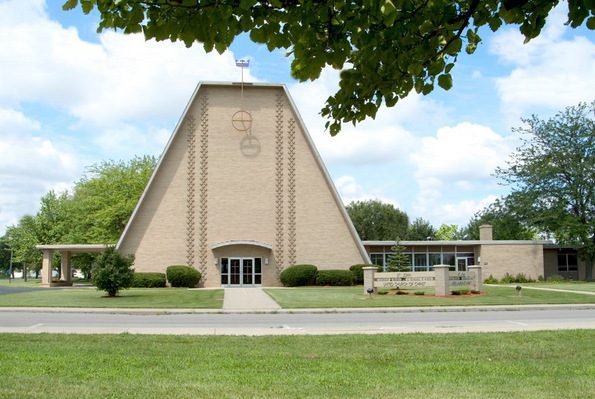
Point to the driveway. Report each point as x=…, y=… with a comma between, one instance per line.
x=13, y=290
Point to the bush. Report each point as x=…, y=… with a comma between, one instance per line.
x=521, y=278
x=382, y=292
x=475, y=292
x=334, y=277
x=183, y=276
x=491, y=280
x=507, y=279
x=299, y=275
x=113, y=271
x=148, y=280
x=358, y=273
x=555, y=279
x=462, y=291
x=419, y=293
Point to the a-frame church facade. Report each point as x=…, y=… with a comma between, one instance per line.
x=240, y=193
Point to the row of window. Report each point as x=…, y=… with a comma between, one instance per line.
x=425, y=261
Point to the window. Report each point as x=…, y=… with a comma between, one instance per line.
x=421, y=262
x=567, y=263
x=377, y=259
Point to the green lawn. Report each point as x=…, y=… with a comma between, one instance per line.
x=19, y=282
x=353, y=297
x=538, y=365
x=131, y=298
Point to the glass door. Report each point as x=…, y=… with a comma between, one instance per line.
x=461, y=264
x=235, y=272
x=247, y=271
x=241, y=271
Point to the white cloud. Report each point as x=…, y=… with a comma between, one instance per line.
x=123, y=140
x=30, y=166
x=459, y=159
x=458, y=213
x=350, y=190
x=549, y=71
x=375, y=141
x=121, y=78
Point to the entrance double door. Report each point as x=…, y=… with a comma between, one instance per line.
x=241, y=271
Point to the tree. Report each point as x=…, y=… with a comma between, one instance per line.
x=399, y=261
x=113, y=272
x=95, y=212
x=552, y=176
x=22, y=239
x=449, y=232
x=386, y=48
x=506, y=223
x=375, y=220
x=420, y=230
x=104, y=199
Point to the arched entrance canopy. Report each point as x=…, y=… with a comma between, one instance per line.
x=229, y=243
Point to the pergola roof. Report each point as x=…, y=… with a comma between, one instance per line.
x=74, y=248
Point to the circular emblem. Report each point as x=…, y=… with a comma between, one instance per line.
x=242, y=121
x=250, y=146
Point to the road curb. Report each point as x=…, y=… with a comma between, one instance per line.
x=433, y=309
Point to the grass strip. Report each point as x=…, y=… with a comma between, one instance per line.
x=511, y=365
x=130, y=298
x=353, y=297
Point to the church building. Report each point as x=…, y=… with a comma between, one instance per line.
x=240, y=193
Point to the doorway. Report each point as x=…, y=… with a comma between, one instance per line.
x=241, y=272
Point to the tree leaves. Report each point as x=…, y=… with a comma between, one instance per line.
x=391, y=46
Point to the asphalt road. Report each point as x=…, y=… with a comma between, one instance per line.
x=295, y=324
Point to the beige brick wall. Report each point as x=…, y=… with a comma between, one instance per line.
x=498, y=259
x=242, y=193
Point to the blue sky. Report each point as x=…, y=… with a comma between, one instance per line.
x=70, y=97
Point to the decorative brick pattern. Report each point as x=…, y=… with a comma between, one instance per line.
x=190, y=187
x=291, y=194
x=279, y=251
x=203, y=180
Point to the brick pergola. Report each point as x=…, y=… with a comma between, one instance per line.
x=65, y=252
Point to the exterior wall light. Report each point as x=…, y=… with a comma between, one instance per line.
x=266, y=261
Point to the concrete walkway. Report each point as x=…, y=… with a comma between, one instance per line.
x=254, y=299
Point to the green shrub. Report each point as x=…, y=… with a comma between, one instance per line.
x=400, y=292
x=555, y=279
x=462, y=291
x=521, y=278
x=358, y=273
x=419, y=293
x=299, y=275
x=113, y=271
x=475, y=292
x=491, y=280
x=334, y=277
x=148, y=280
x=382, y=292
x=183, y=276
x=507, y=279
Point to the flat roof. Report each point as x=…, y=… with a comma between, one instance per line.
x=79, y=248
x=433, y=243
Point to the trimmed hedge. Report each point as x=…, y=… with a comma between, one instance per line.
x=358, y=273
x=299, y=275
x=334, y=277
x=183, y=276
x=148, y=280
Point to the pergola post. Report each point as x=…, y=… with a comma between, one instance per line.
x=66, y=266
x=46, y=267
